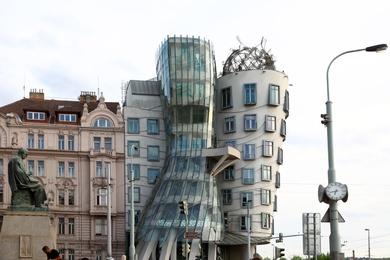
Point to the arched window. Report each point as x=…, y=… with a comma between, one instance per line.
x=102, y=123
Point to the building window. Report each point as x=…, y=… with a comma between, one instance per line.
x=250, y=123
x=229, y=173
x=70, y=254
x=265, y=220
x=137, y=195
x=286, y=105
x=41, y=141
x=243, y=222
x=270, y=123
x=30, y=166
x=266, y=173
x=198, y=115
x=102, y=123
x=227, y=197
x=67, y=118
x=275, y=203
x=153, y=127
x=265, y=197
x=71, y=169
x=133, y=152
x=248, y=176
x=226, y=95
x=250, y=94
x=274, y=95
x=136, y=171
x=153, y=153
x=280, y=156
x=61, y=142
x=107, y=168
x=62, y=252
x=230, y=143
x=283, y=129
x=268, y=148
x=249, y=151
x=35, y=116
x=108, y=143
x=71, y=143
x=61, y=226
x=30, y=141
x=277, y=180
x=61, y=197
x=96, y=143
x=61, y=169
x=99, y=170
x=1, y=197
x=133, y=125
x=152, y=175
x=229, y=124
x=71, y=226
x=101, y=197
x=71, y=197
x=1, y=166
x=246, y=196
x=41, y=168
x=101, y=226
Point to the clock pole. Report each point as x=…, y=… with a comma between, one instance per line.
x=334, y=238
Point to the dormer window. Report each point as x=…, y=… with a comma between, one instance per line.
x=102, y=123
x=35, y=116
x=67, y=118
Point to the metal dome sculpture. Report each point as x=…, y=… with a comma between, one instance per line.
x=249, y=58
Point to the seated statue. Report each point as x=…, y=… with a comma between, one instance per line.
x=24, y=184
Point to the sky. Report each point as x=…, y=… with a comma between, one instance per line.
x=65, y=47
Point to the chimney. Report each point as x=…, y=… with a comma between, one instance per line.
x=87, y=97
x=37, y=95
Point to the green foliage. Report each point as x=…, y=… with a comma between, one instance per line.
x=295, y=257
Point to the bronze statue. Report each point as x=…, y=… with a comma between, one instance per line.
x=26, y=189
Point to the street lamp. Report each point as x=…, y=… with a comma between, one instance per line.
x=369, y=245
x=132, y=253
x=248, y=227
x=334, y=238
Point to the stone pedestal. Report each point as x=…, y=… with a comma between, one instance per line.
x=24, y=233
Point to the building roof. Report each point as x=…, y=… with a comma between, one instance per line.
x=53, y=106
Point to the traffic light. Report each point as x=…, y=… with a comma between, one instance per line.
x=280, y=240
x=183, y=207
x=188, y=248
x=180, y=248
x=279, y=252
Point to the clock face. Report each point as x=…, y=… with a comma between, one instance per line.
x=336, y=191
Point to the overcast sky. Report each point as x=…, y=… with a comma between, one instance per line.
x=65, y=47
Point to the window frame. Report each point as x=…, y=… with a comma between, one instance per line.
x=133, y=126
x=270, y=123
x=249, y=152
x=268, y=148
x=226, y=98
x=274, y=95
x=153, y=127
x=250, y=122
x=266, y=172
x=153, y=175
x=229, y=173
x=227, y=196
x=265, y=196
x=151, y=156
x=250, y=94
x=229, y=124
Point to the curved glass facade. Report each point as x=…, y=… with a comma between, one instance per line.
x=186, y=69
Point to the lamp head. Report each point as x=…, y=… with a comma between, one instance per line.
x=377, y=48
x=136, y=148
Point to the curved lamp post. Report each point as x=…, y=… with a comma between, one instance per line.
x=334, y=238
x=132, y=253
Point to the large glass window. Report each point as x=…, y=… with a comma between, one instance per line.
x=153, y=153
x=268, y=148
x=41, y=168
x=35, y=116
x=152, y=175
x=100, y=227
x=246, y=196
x=130, y=151
x=248, y=176
x=133, y=125
x=61, y=226
x=41, y=141
x=30, y=141
x=249, y=94
x=101, y=197
x=70, y=197
x=70, y=169
x=250, y=122
x=274, y=95
x=265, y=197
x=102, y=123
x=227, y=197
x=265, y=220
x=249, y=151
x=153, y=127
x=71, y=226
x=99, y=169
x=226, y=95
x=61, y=142
x=108, y=143
x=61, y=197
x=67, y=118
x=229, y=173
x=96, y=143
x=61, y=169
x=229, y=124
x=266, y=172
x=270, y=123
x=71, y=143
x=243, y=222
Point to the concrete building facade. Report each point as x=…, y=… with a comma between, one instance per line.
x=72, y=145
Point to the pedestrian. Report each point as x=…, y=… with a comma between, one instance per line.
x=52, y=254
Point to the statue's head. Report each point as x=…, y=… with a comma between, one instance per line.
x=23, y=152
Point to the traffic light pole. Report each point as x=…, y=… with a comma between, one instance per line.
x=186, y=247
